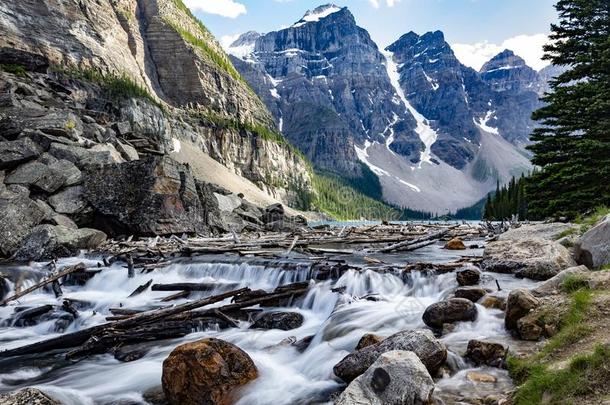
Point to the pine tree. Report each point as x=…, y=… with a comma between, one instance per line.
x=572, y=146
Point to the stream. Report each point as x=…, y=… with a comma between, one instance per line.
x=380, y=303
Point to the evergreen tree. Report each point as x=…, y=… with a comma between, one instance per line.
x=572, y=146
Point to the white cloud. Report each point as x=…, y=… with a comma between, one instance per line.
x=389, y=3
x=225, y=8
x=227, y=40
x=529, y=47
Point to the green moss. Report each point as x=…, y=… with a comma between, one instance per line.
x=15, y=69
x=585, y=375
x=70, y=125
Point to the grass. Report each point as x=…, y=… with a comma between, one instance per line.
x=117, y=85
x=583, y=376
x=588, y=221
x=567, y=232
x=15, y=69
x=584, y=373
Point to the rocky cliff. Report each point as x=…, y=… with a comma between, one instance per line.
x=94, y=99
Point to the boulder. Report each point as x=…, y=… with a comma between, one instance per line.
x=430, y=351
x=151, y=196
x=27, y=396
x=519, y=303
x=69, y=201
x=103, y=148
x=495, y=302
x=30, y=61
x=278, y=320
x=79, y=155
x=554, y=284
x=47, y=174
x=62, y=220
x=473, y=294
x=63, y=124
x=207, y=371
x=128, y=152
x=273, y=213
x=18, y=215
x=486, y=353
x=468, y=277
x=396, y=377
x=14, y=153
x=367, y=340
x=50, y=241
x=593, y=248
x=227, y=203
x=528, y=328
x=449, y=311
x=5, y=288
x=475, y=376
x=526, y=254
x=455, y=244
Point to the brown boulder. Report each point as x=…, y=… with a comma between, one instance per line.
x=487, y=353
x=455, y=244
x=368, y=339
x=468, y=277
x=519, y=303
x=492, y=301
x=473, y=294
x=206, y=372
x=449, y=311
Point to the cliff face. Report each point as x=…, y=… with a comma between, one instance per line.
x=161, y=47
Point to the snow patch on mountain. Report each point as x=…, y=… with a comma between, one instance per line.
x=317, y=14
x=426, y=133
x=483, y=123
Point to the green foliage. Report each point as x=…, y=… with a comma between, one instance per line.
x=567, y=232
x=572, y=144
x=70, y=125
x=336, y=197
x=474, y=212
x=216, y=57
x=574, y=283
x=117, y=85
x=588, y=221
x=507, y=201
x=15, y=69
x=583, y=376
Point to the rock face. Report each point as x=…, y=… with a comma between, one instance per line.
x=27, y=396
x=278, y=320
x=486, y=353
x=529, y=252
x=48, y=241
x=430, y=351
x=519, y=303
x=396, y=377
x=449, y=311
x=206, y=372
x=56, y=124
x=593, y=248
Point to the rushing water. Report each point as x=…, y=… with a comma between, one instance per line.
x=382, y=303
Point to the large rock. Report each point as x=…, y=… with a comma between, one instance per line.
x=532, y=257
x=14, y=153
x=430, y=351
x=554, y=284
x=27, y=396
x=486, y=353
x=50, y=241
x=47, y=174
x=593, y=248
x=207, y=371
x=151, y=196
x=519, y=303
x=468, y=277
x=449, y=311
x=18, y=215
x=473, y=294
x=396, y=377
x=69, y=201
x=4, y=287
x=455, y=244
x=368, y=339
x=278, y=320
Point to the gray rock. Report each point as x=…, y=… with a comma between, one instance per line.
x=430, y=351
x=27, y=396
x=18, y=215
x=4, y=287
x=486, y=353
x=80, y=155
x=128, y=152
x=122, y=128
x=368, y=339
x=519, y=303
x=396, y=377
x=278, y=320
x=64, y=221
x=30, y=61
x=473, y=294
x=46, y=177
x=69, y=201
x=449, y=311
x=150, y=196
x=102, y=148
x=44, y=140
x=14, y=153
x=227, y=203
x=593, y=248
x=49, y=241
x=553, y=285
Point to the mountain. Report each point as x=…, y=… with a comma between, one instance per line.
x=128, y=116
x=438, y=134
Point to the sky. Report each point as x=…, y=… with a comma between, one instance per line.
x=476, y=29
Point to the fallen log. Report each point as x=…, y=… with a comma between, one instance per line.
x=189, y=286
x=181, y=294
x=411, y=244
x=141, y=289
x=62, y=273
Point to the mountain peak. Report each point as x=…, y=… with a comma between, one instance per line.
x=506, y=59
x=318, y=14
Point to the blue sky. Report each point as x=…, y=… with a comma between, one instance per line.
x=477, y=29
